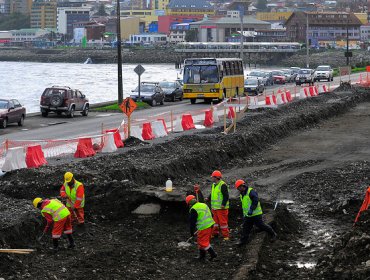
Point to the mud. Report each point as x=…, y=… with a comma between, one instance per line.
x=316, y=204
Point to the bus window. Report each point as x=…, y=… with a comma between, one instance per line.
x=232, y=68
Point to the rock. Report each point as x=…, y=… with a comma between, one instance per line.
x=367, y=264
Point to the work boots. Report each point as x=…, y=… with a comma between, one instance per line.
x=201, y=256
x=71, y=241
x=55, y=245
x=212, y=254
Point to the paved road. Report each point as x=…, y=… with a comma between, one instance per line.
x=54, y=127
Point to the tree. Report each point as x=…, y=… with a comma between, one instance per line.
x=101, y=11
x=14, y=21
x=191, y=35
x=261, y=5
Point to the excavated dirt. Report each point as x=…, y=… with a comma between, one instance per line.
x=309, y=156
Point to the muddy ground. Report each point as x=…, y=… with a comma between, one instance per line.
x=310, y=156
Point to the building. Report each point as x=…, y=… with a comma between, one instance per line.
x=190, y=8
x=21, y=6
x=362, y=17
x=167, y=23
x=148, y=16
x=323, y=27
x=44, y=14
x=5, y=37
x=271, y=35
x=148, y=39
x=5, y=7
x=274, y=16
x=130, y=26
x=225, y=29
x=95, y=31
x=66, y=16
x=29, y=34
x=178, y=33
x=365, y=33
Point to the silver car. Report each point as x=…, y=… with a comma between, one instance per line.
x=253, y=86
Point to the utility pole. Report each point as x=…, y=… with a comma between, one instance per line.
x=307, y=45
x=119, y=54
x=241, y=15
x=347, y=53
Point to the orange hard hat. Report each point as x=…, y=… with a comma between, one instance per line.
x=189, y=198
x=239, y=183
x=216, y=174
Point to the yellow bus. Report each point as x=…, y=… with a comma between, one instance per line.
x=213, y=78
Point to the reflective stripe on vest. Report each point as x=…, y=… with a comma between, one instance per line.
x=73, y=193
x=56, y=209
x=205, y=219
x=217, y=197
x=246, y=204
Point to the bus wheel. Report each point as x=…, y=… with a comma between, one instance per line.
x=208, y=100
x=193, y=100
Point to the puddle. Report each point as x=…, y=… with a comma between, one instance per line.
x=104, y=115
x=147, y=209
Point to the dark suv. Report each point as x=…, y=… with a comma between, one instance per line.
x=62, y=99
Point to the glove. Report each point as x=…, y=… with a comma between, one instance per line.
x=196, y=188
x=250, y=212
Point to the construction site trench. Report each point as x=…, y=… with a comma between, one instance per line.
x=308, y=160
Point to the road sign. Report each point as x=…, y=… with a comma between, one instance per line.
x=139, y=70
x=344, y=71
x=128, y=106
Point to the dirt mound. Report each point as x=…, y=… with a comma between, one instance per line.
x=133, y=142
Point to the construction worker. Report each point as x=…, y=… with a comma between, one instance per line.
x=74, y=192
x=219, y=198
x=57, y=214
x=252, y=212
x=201, y=224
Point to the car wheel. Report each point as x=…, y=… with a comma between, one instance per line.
x=180, y=98
x=162, y=101
x=173, y=98
x=44, y=113
x=71, y=112
x=193, y=100
x=4, y=124
x=85, y=112
x=21, y=121
x=332, y=78
x=59, y=113
x=153, y=103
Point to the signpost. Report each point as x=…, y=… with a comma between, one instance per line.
x=128, y=106
x=346, y=70
x=139, y=70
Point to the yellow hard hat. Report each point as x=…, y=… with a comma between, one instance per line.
x=36, y=201
x=68, y=176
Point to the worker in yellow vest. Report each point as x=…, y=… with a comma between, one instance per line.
x=252, y=212
x=201, y=223
x=219, y=198
x=74, y=192
x=57, y=214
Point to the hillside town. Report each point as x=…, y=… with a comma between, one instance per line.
x=50, y=23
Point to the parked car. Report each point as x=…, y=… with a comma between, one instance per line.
x=63, y=99
x=269, y=78
x=290, y=76
x=172, y=90
x=304, y=76
x=278, y=77
x=11, y=111
x=260, y=75
x=253, y=86
x=323, y=72
x=150, y=93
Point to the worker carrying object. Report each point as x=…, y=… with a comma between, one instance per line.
x=252, y=212
x=74, y=191
x=219, y=198
x=57, y=214
x=201, y=223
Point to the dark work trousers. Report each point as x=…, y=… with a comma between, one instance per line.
x=248, y=225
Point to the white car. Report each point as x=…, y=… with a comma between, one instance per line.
x=323, y=72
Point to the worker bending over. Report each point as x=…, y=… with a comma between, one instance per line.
x=74, y=192
x=201, y=223
x=57, y=214
x=252, y=212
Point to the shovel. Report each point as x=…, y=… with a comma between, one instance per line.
x=187, y=243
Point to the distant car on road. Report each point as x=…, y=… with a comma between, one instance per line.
x=290, y=76
x=253, y=85
x=260, y=75
x=278, y=77
x=62, y=99
x=11, y=111
x=172, y=90
x=305, y=76
x=150, y=93
x=323, y=72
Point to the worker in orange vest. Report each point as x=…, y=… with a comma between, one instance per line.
x=57, y=214
x=74, y=192
x=219, y=198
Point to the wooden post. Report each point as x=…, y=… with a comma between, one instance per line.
x=129, y=126
x=224, y=119
x=172, y=121
x=235, y=120
x=102, y=133
x=6, y=145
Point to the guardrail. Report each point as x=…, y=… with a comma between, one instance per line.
x=189, y=50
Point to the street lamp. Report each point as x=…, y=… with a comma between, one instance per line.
x=307, y=45
x=119, y=54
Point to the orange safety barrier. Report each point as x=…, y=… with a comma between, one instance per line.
x=208, y=119
x=147, y=132
x=164, y=124
x=288, y=96
x=316, y=91
x=283, y=98
x=117, y=137
x=84, y=148
x=231, y=113
x=35, y=156
x=187, y=122
x=311, y=91
x=270, y=100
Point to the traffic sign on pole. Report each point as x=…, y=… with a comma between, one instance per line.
x=139, y=70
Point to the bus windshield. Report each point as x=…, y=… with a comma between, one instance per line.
x=200, y=74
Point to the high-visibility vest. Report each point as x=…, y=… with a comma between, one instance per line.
x=56, y=209
x=217, y=197
x=72, y=193
x=246, y=204
x=205, y=219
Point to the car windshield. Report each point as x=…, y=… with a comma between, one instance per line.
x=323, y=68
x=250, y=82
x=51, y=91
x=199, y=74
x=277, y=73
x=304, y=71
x=3, y=104
x=145, y=88
x=167, y=85
x=255, y=74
